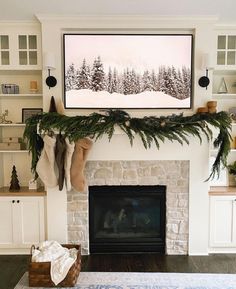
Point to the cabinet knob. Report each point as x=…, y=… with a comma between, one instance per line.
x=18, y=201
x=13, y=201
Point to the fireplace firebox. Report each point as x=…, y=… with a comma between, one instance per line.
x=127, y=219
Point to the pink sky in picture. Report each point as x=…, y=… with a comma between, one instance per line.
x=138, y=52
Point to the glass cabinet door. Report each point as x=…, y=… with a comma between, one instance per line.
x=27, y=49
x=4, y=50
x=226, y=50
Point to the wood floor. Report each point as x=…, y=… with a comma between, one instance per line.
x=13, y=267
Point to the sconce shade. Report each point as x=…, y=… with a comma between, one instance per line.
x=51, y=81
x=49, y=60
x=204, y=81
x=205, y=61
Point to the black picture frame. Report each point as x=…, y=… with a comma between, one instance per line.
x=77, y=47
x=28, y=112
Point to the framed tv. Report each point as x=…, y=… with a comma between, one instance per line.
x=128, y=71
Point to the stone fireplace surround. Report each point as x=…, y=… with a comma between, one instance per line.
x=174, y=174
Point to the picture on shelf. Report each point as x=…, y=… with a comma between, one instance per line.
x=28, y=112
x=128, y=71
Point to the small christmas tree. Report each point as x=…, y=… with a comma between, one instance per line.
x=14, y=184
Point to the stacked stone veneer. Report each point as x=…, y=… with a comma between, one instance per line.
x=173, y=174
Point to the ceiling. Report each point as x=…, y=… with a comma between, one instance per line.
x=225, y=10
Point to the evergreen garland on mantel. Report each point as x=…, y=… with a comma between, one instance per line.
x=150, y=129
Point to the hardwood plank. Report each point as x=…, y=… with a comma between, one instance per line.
x=12, y=267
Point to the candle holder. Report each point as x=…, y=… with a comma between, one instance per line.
x=33, y=86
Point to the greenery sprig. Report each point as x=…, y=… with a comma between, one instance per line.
x=150, y=129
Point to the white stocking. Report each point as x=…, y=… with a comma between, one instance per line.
x=45, y=166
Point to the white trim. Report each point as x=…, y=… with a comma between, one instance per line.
x=131, y=21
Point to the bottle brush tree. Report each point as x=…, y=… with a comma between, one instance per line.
x=14, y=184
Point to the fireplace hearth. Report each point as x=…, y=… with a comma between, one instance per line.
x=127, y=219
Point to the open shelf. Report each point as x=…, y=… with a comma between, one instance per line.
x=13, y=124
x=21, y=95
x=224, y=96
x=24, y=191
x=14, y=151
x=222, y=190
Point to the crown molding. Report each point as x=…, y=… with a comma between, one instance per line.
x=145, y=21
x=19, y=22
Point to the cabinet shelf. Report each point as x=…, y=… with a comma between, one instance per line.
x=215, y=151
x=14, y=151
x=22, y=95
x=225, y=70
x=24, y=191
x=224, y=95
x=222, y=191
x=12, y=124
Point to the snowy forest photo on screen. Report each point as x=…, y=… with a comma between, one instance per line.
x=127, y=71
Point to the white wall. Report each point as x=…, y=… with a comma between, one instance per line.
x=119, y=147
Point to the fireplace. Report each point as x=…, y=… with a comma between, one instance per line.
x=172, y=174
x=127, y=219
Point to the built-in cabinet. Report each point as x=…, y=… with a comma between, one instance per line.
x=20, y=65
x=224, y=73
x=224, y=89
x=222, y=198
x=22, y=221
x=222, y=219
x=20, y=46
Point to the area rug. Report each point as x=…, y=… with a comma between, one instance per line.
x=113, y=280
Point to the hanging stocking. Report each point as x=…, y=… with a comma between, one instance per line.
x=60, y=152
x=80, y=155
x=60, y=107
x=68, y=158
x=45, y=166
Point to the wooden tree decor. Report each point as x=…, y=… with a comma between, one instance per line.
x=14, y=184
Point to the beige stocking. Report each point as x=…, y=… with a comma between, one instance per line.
x=80, y=155
x=67, y=165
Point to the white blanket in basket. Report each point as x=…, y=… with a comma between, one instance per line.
x=60, y=257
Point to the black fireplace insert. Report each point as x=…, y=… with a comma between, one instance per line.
x=127, y=219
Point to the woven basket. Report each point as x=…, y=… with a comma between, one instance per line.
x=39, y=272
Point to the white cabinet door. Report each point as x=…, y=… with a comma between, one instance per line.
x=32, y=220
x=222, y=221
x=6, y=221
x=22, y=221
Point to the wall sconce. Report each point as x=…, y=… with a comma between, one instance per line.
x=204, y=80
x=49, y=64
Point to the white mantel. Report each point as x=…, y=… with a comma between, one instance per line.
x=119, y=149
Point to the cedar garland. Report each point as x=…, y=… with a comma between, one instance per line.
x=149, y=129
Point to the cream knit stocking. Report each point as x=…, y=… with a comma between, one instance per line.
x=45, y=166
x=80, y=155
